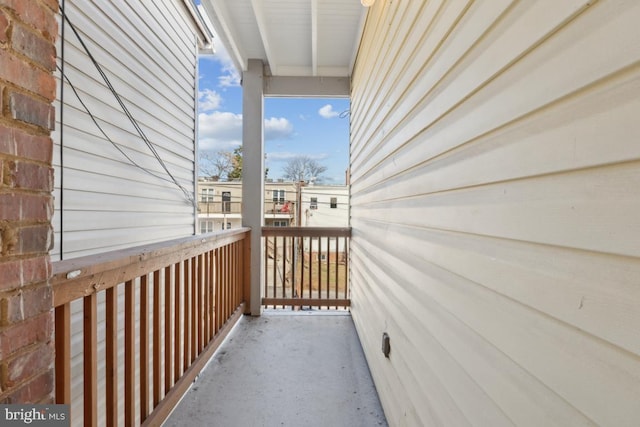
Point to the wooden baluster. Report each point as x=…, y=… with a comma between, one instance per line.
x=205, y=299
x=63, y=353
x=90, y=352
x=168, y=331
x=246, y=274
x=346, y=267
x=187, y=316
x=218, y=289
x=177, y=342
x=129, y=354
x=238, y=274
x=157, y=317
x=212, y=307
x=266, y=266
x=229, y=282
x=194, y=308
x=200, y=301
x=144, y=347
x=319, y=274
x=336, y=266
x=111, y=362
x=284, y=267
x=328, y=263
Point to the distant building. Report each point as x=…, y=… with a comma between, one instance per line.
x=325, y=206
x=220, y=204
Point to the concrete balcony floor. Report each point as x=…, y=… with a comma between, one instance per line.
x=294, y=369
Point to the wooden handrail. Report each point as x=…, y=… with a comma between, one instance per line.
x=306, y=231
x=187, y=291
x=78, y=277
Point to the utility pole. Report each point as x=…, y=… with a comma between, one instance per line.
x=299, y=186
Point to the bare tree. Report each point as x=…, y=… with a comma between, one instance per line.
x=218, y=164
x=303, y=168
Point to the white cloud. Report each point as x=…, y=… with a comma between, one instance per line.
x=209, y=100
x=327, y=112
x=221, y=130
x=277, y=128
x=230, y=77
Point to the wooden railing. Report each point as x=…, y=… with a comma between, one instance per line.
x=178, y=300
x=306, y=267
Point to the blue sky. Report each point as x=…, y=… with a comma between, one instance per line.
x=293, y=126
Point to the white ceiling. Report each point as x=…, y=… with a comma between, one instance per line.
x=292, y=37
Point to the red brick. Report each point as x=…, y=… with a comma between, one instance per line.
x=36, y=207
x=36, y=15
x=38, y=329
x=27, y=365
x=10, y=206
x=31, y=392
x=33, y=147
x=31, y=110
x=8, y=237
x=18, y=142
x=36, y=270
x=34, y=240
x=11, y=308
x=26, y=207
x=33, y=46
x=25, y=304
x=4, y=27
x=28, y=76
x=29, y=176
x=18, y=273
x=10, y=275
x=7, y=140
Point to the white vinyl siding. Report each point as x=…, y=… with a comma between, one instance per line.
x=149, y=52
x=495, y=207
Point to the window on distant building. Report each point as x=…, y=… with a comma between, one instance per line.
x=334, y=202
x=226, y=201
x=278, y=196
x=228, y=226
x=206, y=226
x=280, y=223
x=314, y=203
x=207, y=195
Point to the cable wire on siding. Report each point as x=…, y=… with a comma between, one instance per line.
x=188, y=195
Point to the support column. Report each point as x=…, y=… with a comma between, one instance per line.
x=253, y=173
x=28, y=31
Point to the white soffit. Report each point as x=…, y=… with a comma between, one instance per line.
x=292, y=37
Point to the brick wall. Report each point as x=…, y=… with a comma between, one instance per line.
x=28, y=29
